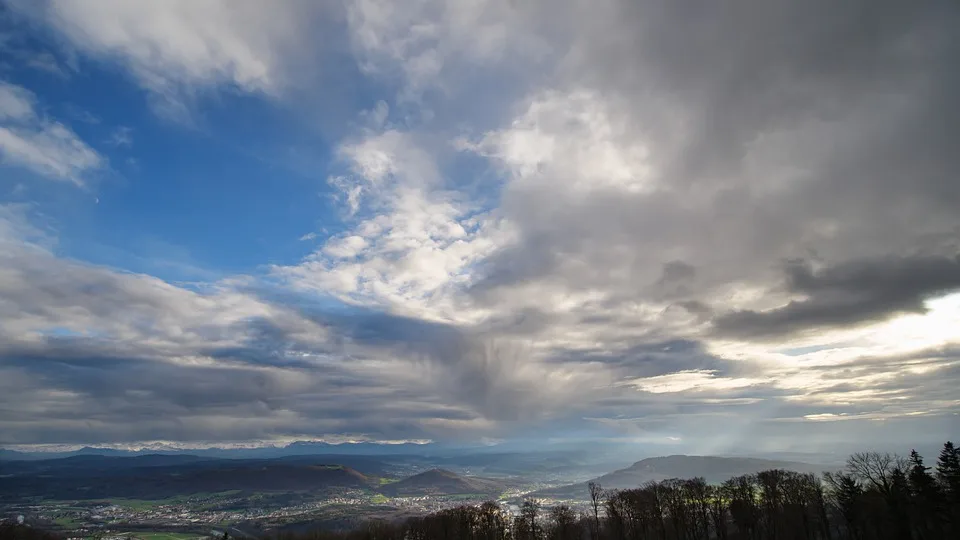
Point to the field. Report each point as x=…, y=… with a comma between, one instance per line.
x=161, y=535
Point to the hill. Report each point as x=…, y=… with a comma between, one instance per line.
x=88, y=477
x=713, y=469
x=441, y=482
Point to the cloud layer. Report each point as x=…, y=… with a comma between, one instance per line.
x=673, y=222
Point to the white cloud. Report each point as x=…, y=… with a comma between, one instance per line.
x=412, y=250
x=122, y=137
x=35, y=142
x=180, y=47
x=16, y=103
x=423, y=43
x=569, y=141
x=692, y=380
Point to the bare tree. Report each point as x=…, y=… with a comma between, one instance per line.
x=596, y=500
x=563, y=523
x=874, y=468
x=527, y=523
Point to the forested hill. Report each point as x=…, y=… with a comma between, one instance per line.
x=713, y=469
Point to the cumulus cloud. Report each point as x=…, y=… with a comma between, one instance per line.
x=412, y=244
x=645, y=200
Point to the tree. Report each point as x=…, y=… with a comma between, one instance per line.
x=921, y=482
x=719, y=502
x=948, y=470
x=846, y=494
x=596, y=500
x=898, y=500
x=926, y=503
x=872, y=468
x=616, y=512
x=492, y=523
x=526, y=524
x=743, y=504
x=948, y=474
x=698, y=495
x=563, y=523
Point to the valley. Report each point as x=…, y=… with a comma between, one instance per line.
x=168, y=495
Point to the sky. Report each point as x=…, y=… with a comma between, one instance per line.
x=702, y=226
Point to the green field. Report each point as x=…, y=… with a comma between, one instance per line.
x=162, y=535
x=467, y=496
x=67, y=523
x=378, y=499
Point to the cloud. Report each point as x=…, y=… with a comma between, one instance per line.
x=429, y=45
x=413, y=242
x=122, y=137
x=181, y=48
x=48, y=63
x=93, y=354
x=559, y=217
x=854, y=292
x=45, y=146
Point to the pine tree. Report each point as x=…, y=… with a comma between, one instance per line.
x=921, y=482
x=898, y=500
x=948, y=470
x=927, y=501
x=948, y=473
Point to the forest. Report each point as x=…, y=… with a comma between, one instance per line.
x=876, y=496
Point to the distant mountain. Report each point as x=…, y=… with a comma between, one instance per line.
x=299, y=448
x=713, y=469
x=441, y=482
x=13, y=455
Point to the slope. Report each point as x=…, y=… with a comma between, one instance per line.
x=441, y=482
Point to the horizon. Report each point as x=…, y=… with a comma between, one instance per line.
x=672, y=228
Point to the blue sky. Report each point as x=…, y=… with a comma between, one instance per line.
x=172, y=194
x=234, y=222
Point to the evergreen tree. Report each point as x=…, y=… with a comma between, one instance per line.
x=948, y=470
x=898, y=500
x=926, y=503
x=921, y=482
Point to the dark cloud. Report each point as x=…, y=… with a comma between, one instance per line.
x=677, y=271
x=650, y=359
x=774, y=129
x=850, y=293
